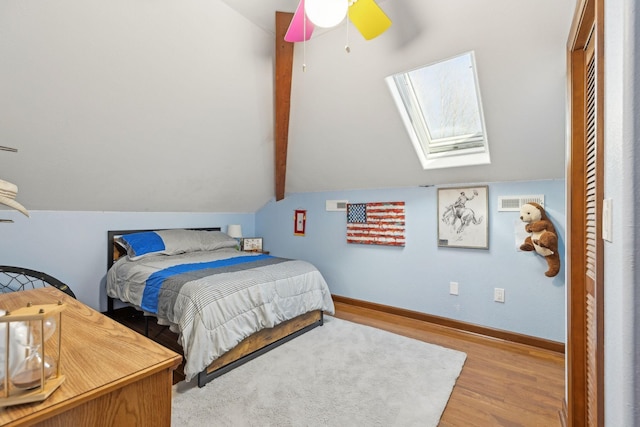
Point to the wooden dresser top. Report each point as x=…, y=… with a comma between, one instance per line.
x=99, y=355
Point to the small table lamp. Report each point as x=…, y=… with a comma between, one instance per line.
x=235, y=231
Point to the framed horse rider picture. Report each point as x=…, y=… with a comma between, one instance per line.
x=463, y=217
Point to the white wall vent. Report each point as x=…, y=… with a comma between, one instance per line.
x=336, y=205
x=513, y=203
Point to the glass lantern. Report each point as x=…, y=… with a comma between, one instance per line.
x=32, y=343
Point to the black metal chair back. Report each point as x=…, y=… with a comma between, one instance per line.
x=14, y=279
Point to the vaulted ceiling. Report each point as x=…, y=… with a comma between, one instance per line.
x=131, y=105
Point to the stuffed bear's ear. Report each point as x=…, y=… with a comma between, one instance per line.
x=537, y=206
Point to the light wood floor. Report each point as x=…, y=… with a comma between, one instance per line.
x=501, y=384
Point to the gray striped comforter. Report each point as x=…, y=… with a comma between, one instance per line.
x=215, y=299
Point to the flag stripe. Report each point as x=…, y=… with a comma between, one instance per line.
x=379, y=223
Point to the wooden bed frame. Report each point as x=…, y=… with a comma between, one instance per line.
x=248, y=349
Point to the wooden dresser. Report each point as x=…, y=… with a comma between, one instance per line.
x=114, y=376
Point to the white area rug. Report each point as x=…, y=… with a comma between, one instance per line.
x=339, y=374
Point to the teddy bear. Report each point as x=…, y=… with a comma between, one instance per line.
x=543, y=238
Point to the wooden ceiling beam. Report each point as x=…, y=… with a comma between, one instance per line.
x=283, y=72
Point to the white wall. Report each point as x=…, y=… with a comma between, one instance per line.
x=135, y=106
x=167, y=105
x=72, y=246
x=417, y=276
x=622, y=184
x=346, y=133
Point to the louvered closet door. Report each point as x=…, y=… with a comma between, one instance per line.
x=585, y=337
x=593, y=245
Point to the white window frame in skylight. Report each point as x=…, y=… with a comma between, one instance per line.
x=431, y=100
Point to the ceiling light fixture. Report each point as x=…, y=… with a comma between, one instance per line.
x=366, y=16
x=326, y=13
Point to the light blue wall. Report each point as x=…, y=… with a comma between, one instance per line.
x=72, y=246
x=417, y=276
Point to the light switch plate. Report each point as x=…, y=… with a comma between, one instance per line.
x=607, y=222
x=453, y=288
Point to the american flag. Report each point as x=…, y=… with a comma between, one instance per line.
x=376, y=223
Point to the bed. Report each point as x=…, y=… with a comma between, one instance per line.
x=227, y=306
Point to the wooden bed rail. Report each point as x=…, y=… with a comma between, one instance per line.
x=260, y=343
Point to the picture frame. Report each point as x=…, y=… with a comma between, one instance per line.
x=299, y=222
x=252, y=244
x=463, y=217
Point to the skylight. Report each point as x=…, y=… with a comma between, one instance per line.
x=441, y=108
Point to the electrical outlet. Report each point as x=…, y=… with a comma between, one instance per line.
x=453, y=288
x=498, y=294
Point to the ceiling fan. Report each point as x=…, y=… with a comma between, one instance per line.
x=8, y=192
x=366, y=16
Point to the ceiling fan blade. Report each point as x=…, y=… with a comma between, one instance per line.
x=296, y=31
x=368, y=18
